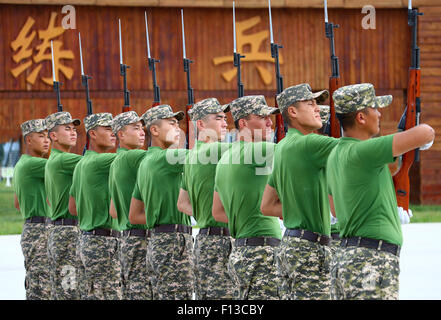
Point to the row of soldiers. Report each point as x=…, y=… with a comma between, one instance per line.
x=117, y=225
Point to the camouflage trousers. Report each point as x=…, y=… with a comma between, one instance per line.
x=212, y=280
x=335, y=247
x=366, y=274
x=135, y=273
x=64, y=266
x=170, y=256
x=102, y=272
x=254, y=272
x=34, y=247
x=304, y=267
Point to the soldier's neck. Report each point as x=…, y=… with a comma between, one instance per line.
x=33, y=153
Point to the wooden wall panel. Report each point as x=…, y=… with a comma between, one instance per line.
x=379, y=56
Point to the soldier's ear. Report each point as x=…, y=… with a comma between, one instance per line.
x=154, y=130
x=92, y=134
x=200, y=125
x=360, y=118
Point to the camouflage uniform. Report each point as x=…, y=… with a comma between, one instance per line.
x=255, y=283
x=169, y=255
x=364, y=273
x=98, y=253
x=211, y=252
x=305, y=269
x=244, y=106
x=34, y=236
x=360, y=272
x=33, y=243
x=164, y=260
x=135, y=272
x=163, y=111
x=304, y=265
x=252, y=267
x=64, y=266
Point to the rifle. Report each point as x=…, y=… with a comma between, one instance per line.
x=332, y=128
x=411, y=115
x=85, y=82
x=280, y=125
x=190, y=131
x=56, y=83
x=123, y=71
x=237, y=57
x=152, y=68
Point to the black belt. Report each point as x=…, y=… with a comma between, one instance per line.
x=371, y=244
x=63, y=222
x=36, y=220
x=257, y=241
x=168, y=228
x=142, y=233
x=102, y=232
x=215, y=231
x=308, y=235
x=335, y=236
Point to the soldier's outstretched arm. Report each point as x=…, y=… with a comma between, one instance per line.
x=218, y=210
x=16, y=204
x=271, y=205
x=413, y=138
x=136, y=213
x=184, y=204
x=72, y=206
x=112, y=210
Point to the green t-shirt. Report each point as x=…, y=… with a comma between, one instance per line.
x=122, y=179
x=157, y=185
x=241, y=177
x=58, y=180
x=29, y=186
x=363, y=191
x=198, y=180
x=90, y=188
x=299, y=176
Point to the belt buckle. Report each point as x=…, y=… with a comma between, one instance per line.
x=245, y=242
x=380, y=244
x=265, y=241
x=358, y=241
x=319, y=237
x=176, y=228
x=208, y=231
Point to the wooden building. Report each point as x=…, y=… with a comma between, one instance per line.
x=380, y=56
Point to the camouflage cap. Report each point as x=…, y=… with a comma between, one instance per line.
x=357, y=97
x=324, y=113
x=207, y=106
x=163, y=111
x=35, y=125
x=123, y=119
x=244, y=106
x=59, y=118
x=300, y=92
x=104, y=119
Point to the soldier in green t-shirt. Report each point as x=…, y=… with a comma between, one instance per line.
x=241, y=176
x=136, y=283
x=154, y=202
x=30, y=200
x=65, y=266
x=213, y=243
x=90, y=201
x=297, y=190
x=364, y=195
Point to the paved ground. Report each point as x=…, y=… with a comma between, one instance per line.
x=419, y=279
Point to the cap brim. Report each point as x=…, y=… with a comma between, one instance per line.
x=76, y=122
x=321, y=96
x=382, y=101
x=179, y=115
x=266, y=111
x=226, y=107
